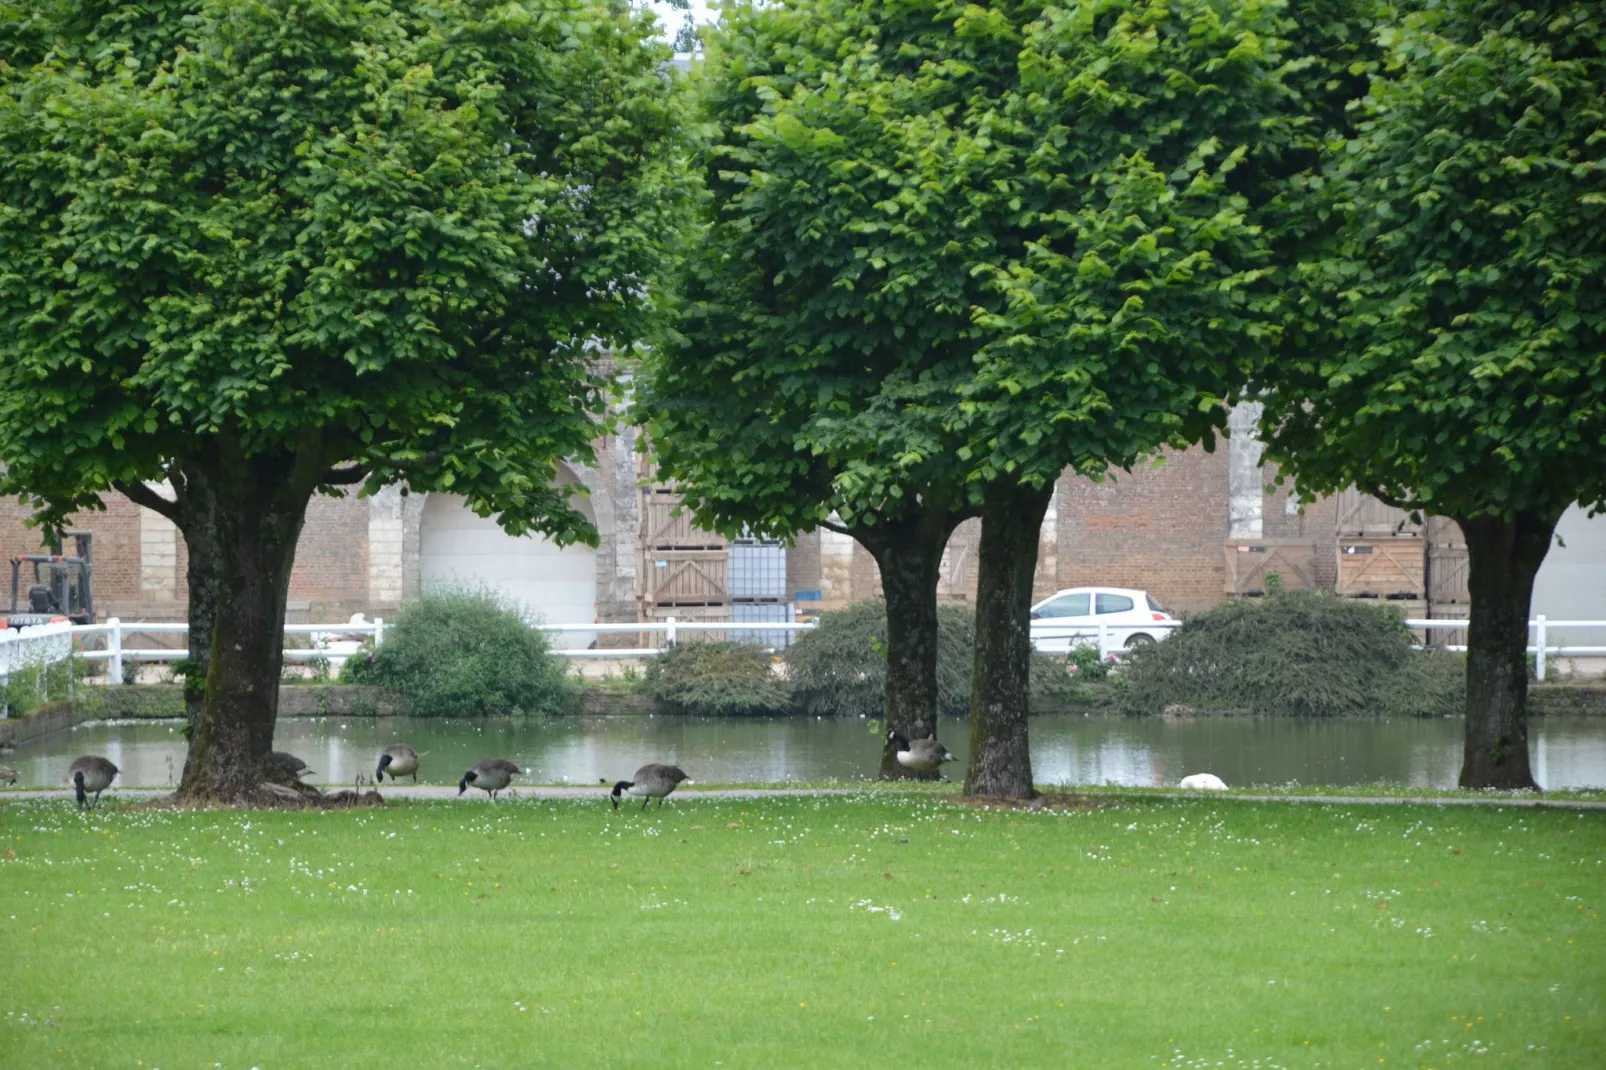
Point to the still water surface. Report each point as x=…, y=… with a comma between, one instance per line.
x=1066, y=750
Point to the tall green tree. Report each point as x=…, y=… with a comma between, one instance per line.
x=1139, y=299
x=263, y=250
x=1447, y=351
x=953, y=250
x=812, y=319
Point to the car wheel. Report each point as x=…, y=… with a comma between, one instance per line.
x=1140, y=639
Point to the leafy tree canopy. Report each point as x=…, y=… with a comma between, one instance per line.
x=1449, y=350
x=946, y=243
x=378, y=236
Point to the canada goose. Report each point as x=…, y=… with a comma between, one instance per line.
x=7, y=748
x=289, y=764
x=922, y=754
x=1203, y=781
x=91, y=773
x=490, y=775
x=652, y=782
x=399, y=760
x=8, y=774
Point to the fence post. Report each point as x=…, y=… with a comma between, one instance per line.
x=1539, y=661
x=114, y=643
x=1104, y=639
x=669, y=636
x=379, y=631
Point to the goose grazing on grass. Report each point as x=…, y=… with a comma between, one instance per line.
x=289, y=764
x=652, y=782
x=399, y=760
x=1203, y=782
x=490, y=775
x=91, y=773
x=923, y=755
x=8, y=774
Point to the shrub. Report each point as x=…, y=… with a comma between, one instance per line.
x=717, y=679
x=1052, y=683
x=841, y=666
x=466, y=653
x=33, y=684
x=1300, y=653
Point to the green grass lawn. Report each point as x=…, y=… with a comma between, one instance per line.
x=880, y=929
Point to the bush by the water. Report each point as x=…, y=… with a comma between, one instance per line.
x=466, y=654
x=718, y=679
x=841, y=666
x=1059, y=679
x=1300, y=653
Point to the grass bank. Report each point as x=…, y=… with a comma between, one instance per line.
x=868, y=930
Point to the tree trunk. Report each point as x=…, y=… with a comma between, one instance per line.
x=909, y=555
x=201, y=541
x=260, y=505
x=1000, y=757
x=1503, y=557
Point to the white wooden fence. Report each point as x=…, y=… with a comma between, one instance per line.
x=47, y=643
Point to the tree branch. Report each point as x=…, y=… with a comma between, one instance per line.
x=1389, y=499
x=140, y=494
x=838, y=528
x=412, y=464
x=345, y=477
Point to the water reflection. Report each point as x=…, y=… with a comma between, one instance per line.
x=1567, y=752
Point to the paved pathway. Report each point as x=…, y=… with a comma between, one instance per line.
x=440, y=792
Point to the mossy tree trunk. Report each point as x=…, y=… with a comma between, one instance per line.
x=1000, y=756
x=909, y=554
x=199, y=504
x=260, y=504
x=1503, y=556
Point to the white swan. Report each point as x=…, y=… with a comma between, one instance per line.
x=1204, y=781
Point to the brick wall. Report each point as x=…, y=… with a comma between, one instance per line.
x=1159, y=529
x=1317, y=521
x=116, y=550
x=331, y=569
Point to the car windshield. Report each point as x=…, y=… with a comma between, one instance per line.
x=1156, y=606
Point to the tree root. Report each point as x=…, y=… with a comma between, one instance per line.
x=272, y=795
x=1050, y=800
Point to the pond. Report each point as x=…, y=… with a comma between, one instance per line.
x=1567, y=752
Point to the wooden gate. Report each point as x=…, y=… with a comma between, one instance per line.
x=1250, y=561
x=1381, y=568
x=680, y=565
x=1361, y=514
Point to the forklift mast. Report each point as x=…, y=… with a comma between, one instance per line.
x=62, y=586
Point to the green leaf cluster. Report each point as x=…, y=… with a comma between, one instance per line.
x=945, y=244
x=1447, y=344
x=385, y=234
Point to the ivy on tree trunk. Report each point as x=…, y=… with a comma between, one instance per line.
x=1000, y=755
x=1504, y=555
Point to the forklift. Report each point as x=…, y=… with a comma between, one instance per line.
x=62, y=587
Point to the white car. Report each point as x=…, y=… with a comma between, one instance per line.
x=1072, y=617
